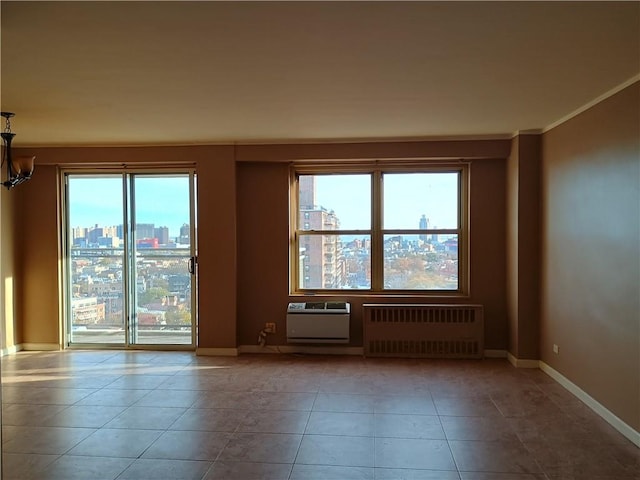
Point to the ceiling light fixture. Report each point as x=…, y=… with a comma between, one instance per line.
x=19, y=169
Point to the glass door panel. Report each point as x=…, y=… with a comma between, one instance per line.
x=96, y=259
x=162, y=251
x=130, y=258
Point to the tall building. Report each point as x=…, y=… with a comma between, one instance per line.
x=424, y=225
x=162, y=234
x=94, y=234
x=185, y=234
x=323, y=264
x=145, y=230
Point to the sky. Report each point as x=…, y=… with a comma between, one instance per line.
x=164, y=201
x=161, y=201
x=406, y=198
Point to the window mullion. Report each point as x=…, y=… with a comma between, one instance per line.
x=377, y=244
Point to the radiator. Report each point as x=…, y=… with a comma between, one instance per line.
x=318, y=322
x=432, y=331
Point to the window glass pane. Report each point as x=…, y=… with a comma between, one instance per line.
x=96, y=258
x=413, y=263
x=420, y=201
x=333, y=202
x=335, y=261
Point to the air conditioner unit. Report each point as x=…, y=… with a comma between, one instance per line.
x=318, y=322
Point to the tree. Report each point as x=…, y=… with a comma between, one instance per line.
x=152, y=295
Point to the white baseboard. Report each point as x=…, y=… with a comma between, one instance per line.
x=10, y=350
x=593, y=404
x=522, y=362
x=217, y=352
x=48, y=347
x=304, y=349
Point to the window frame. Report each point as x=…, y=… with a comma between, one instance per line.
x=377, y=170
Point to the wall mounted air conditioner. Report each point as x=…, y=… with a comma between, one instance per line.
x=318, y=322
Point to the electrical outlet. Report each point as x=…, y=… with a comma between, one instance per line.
x=270, y=327
x=556, y=349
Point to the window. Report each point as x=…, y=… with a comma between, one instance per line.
x=379, y=229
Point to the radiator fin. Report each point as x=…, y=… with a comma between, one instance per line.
x=432, y=331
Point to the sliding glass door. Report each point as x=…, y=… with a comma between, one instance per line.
x=131, y=259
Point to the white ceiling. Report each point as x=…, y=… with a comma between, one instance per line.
x=127, y=73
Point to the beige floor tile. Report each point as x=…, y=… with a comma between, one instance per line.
x=123, y=443
x=329, y=472
x=413, y=474
x=261, y=448
x=178, y=445
x=168, y=398
x=340, y=402
x=274, y=421
x=180, y=416
x=413, y=453
x=340, y=423
x=43, y=440
x=497, y=456
x=408, y=426
x=24, y=466
x=153, y=418
x=478, y=428
x=70, y=467
x=155, y=469
x=224, y=470
x=34, y=415
x=113, y=397
x=210, y=419
x=87, y=416
x=336, y=450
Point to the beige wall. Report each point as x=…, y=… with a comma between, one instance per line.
x=9, y=311
x=523, y=245
x=591, y=249
x=37, y=215
x=263, y=259
x=243, y=279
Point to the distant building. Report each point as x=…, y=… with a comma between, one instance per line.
x=179, y=284
x=424, y=225
x=162, y=234
x=87, y=311
x=147, y=243
x=185, y=234
x=323, y=264
x=94, y=234
x=109, y=242
x=145, y=230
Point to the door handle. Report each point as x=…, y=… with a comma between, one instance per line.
x=192, y=265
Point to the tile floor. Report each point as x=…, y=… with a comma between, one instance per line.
x=105, y=415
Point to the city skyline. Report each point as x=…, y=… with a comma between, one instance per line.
x=163, y=201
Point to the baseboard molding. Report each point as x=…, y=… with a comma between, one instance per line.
x=10, y=350
x=495, y=354
x=522, y=362
x=35, y=347
x=217, y=352
x=302, y=349
x=593, y=404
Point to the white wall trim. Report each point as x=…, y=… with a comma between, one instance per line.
x=593, y=102
x=48, y=347
x=593, y=404
x=495, y=354
x=10, y=350
x=304, y=349
x=217, y=352
x=522, y=362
